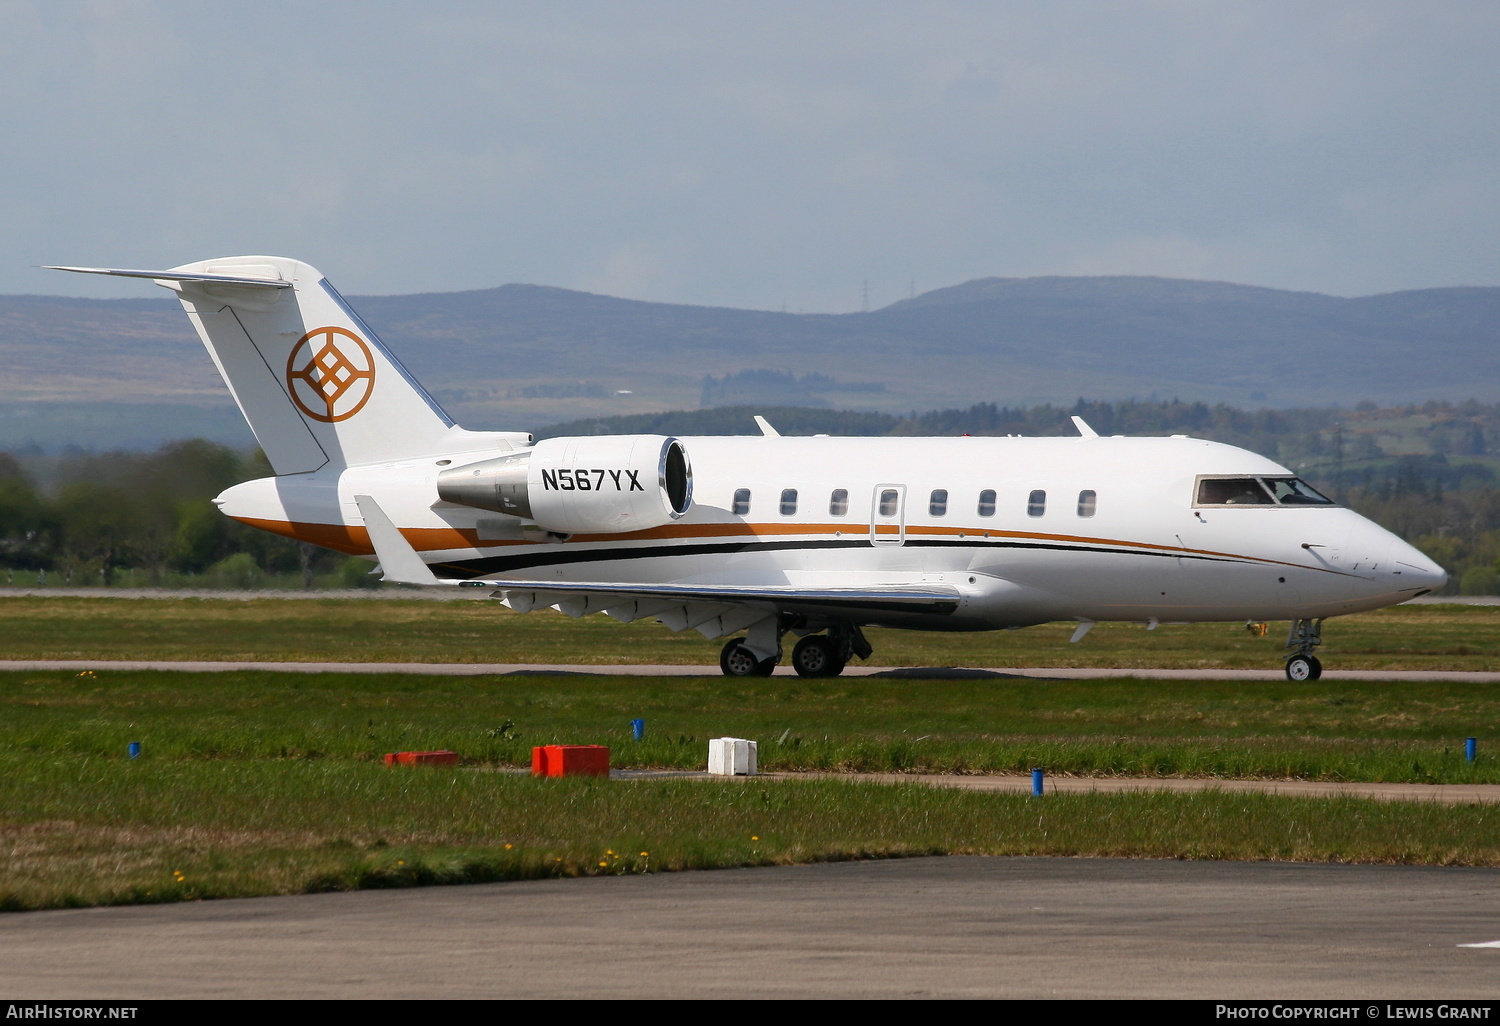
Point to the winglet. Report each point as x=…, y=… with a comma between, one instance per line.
x=1084, y=429
x=399, y=562
x=765, y=427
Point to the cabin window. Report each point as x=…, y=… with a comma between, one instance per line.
x=1233, y=491
x=937, y=503
x=1036, y=503
x=1087, y=501
x=987, y=503
x=741, y=502
x=889, y=500
x=788, y=501
x=838, y=503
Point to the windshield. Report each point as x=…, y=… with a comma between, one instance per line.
x=1291, y=491
x=1259, y=491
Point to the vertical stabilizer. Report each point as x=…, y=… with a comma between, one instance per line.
x=312, y=380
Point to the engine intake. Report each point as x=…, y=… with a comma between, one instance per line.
x=602, y=485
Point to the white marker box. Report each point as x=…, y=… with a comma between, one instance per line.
x=731, y=757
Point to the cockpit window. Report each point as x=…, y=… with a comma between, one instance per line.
x=1291, y=491
x=1233, y=491
x=1258, y=491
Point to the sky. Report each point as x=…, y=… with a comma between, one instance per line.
x=761, y=154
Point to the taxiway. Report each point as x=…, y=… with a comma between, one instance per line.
x=929, y=927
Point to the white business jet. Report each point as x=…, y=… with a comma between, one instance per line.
x=753, y=538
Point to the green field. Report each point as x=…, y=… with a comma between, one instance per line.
x=91, y=831
x=1447, y=637
x=1325, y=731
x=264, y=783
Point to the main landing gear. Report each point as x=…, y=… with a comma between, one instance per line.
x=1304, y=636
x=738, y=661
x=816, y=655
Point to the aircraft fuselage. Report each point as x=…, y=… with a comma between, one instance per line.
x=967, y=514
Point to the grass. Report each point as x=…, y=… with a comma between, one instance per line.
x=262, y=783
x=1324, y=731
x=1428, y=637
x=89, y=831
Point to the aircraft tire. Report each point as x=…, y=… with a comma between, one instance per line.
x=1303, y=668
x=815, y=656
x=738, y=661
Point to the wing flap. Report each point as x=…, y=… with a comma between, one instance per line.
x=940, y=599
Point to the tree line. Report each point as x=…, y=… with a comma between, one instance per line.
x=147, y=518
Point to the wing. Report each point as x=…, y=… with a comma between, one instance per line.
x=607, y=597
x=712, y=610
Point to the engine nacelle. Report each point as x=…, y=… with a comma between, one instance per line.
x=598, y=485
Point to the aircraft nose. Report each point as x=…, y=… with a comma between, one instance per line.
x=1416, y=570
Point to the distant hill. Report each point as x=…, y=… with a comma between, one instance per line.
x=523, y=356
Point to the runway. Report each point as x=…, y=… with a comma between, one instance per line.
x=929, y=927
x=665, y=670
x=1447, y=794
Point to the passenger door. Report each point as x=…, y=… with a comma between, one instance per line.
x=888, y=515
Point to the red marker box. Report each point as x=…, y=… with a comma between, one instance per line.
x=570, y=761
x=443, y=758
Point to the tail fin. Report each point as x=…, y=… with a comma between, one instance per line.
x=312, y=380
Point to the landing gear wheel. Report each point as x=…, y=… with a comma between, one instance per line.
x=816, y=656
x=738, y=661
x=1300, y=668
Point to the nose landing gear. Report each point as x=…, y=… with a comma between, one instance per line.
x=1304, y=636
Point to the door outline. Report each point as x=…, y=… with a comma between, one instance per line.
x=888, y=530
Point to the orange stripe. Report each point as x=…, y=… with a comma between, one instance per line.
x=340, y=538
x=356, y=540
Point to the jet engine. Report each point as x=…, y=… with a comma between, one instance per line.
x=604, y=485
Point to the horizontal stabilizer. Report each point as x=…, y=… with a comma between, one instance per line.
x=208, y=279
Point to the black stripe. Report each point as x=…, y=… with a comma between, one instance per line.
x=501, y=564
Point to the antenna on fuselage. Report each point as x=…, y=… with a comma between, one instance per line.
x=1084, y=429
